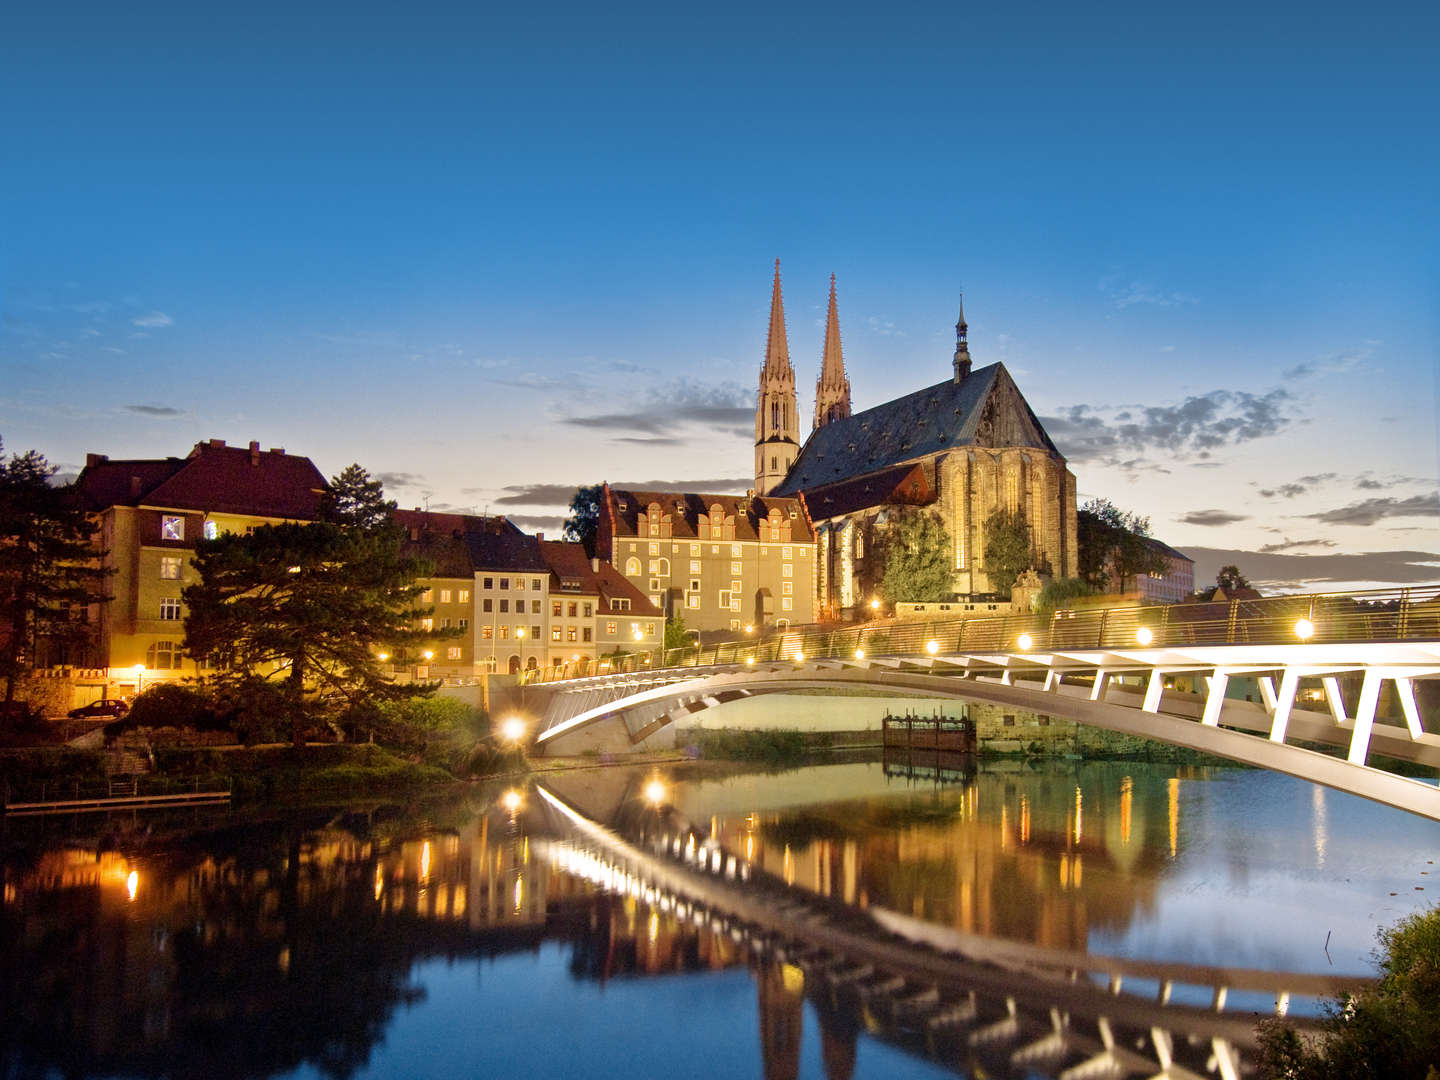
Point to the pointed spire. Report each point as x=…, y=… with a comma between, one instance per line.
x=832, y=389
x=777, y=348
x=962, y=347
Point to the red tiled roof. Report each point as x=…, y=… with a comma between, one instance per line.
x=685, y=509
x=569, y=565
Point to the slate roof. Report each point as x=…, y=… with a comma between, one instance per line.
x=928, y=421
x=685, y=509
x=460, y=544
x=571, y=571
x=214, y=478
x=1165, y=549
x=888, y=485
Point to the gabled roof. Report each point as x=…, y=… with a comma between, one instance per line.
x=971, y=412
x=214, y=478
x=900, y=484
x=575, y=573
x=685, y=509
x=1165, y=549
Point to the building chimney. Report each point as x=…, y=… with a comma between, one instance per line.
x=217, y=444
x=254, y=453
x=280, y=450
x=595, y=563
x=540, y=536
x=92, y=460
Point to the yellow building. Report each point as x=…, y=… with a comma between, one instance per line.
x=150, y=514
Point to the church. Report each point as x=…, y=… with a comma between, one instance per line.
x=964, y=448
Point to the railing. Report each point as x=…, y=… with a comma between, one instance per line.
x=1409, y=614
x=118, y=792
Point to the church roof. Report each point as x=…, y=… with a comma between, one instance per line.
x=685, y=509
x=898, y=484
x=950, y=414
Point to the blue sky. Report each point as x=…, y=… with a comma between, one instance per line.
x=456, y=246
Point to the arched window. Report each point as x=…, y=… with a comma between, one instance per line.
x=663, y=567
x=531, y=664
x=162, y=656
x=514, y=665
x=632, y=567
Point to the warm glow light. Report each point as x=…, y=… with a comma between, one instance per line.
x=384, y=656
x=512, y=728
x=139, y=670
x=1025, y=641
x=749, y=628
x=425, y=861
x=519, y=631
x=511, y=800
x=859, y=654
x=1144, y=636
x=799, y=658
x=1304, y=629
x=656, y=792
x=874, y=605
x=132, y=884
x=429, y=654
x=638, y=635
x=750, y=660
x=574, y=656
x=932, y=646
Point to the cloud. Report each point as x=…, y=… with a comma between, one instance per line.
x=155, y=410
x=152, y=319
x=1212, y=517
x=1124, y=294
x=1369, y=483
x=1198, y=425
x=551, y=526
x=656, y=441
x=1335, y=364
x=1289, y=545
x=1273, y=570
x=1299, y=486
x=668, y=409
x=561, y=494
x=883, y=326
x=533, y=494
x=1369, y=511
x=404, y=480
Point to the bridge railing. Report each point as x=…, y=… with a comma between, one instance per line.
x=1409, y=614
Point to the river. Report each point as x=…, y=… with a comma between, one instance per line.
x=438, y=938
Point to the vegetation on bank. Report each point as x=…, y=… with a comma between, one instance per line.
x=779, y=746
x=1386, y=1032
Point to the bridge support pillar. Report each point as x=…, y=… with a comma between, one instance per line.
x=1215, y=698
x=1100, y=686
x=1284, y=703
x=1365, y=716
x=1405, y=691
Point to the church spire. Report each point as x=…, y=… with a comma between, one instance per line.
x=777, y=423
x=832, y=389
x=962, y=347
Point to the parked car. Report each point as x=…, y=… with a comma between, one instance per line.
x=105, y=708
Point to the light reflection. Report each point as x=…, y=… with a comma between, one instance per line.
x=1079, y=813
x=132, y=885
x=1174, y=814
x=1127, y=797
x=425, y=862
x=1322, y=833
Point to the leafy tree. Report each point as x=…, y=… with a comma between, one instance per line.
x=1389, y=1030
x=1230, y=577
x=1008, y=550
x=49, y=569
x=1062, y=592
x=914, y=550
x=584, y=520
x=676, y=635
x=308, y=606
x=1113, y=545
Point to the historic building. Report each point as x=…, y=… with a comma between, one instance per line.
x=1173, y=584
x=722, y=562
x=777, y=419
x=965, y=447
x=149, y=515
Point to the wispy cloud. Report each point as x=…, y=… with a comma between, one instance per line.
x=1124, y=294
x=549, y=525
x=666, y=410
x=405, y=481
x=882, y=326
x=1288, y=571
x=163, y=411
x=1298, y=487
x=152, y=319
x=561, y=494
x=1290, y=545
x=1212, y=517
x=1337, y=363
x=1369, y=511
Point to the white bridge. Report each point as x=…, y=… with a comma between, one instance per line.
x=1320, y=665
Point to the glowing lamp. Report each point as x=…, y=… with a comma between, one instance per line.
x=1025, y=641
x=511, y=800
x=512, y=728
x=1304, y=629
x=655, y=792
x=1144, y=635
x=932, y=646
x=859, y=654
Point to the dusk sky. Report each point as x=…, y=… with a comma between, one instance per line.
x=491, y=257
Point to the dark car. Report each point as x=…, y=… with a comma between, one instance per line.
x=105, y=708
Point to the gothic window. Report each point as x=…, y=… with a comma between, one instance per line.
x=775, y=416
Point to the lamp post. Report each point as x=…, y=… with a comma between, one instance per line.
x=139, y=679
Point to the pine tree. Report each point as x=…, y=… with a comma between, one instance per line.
x=915, y=552
x=49, y=567
x=312, y=605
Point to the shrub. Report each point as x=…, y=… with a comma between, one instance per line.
x=174, y=705
x=779, y=746
x=1062, y=592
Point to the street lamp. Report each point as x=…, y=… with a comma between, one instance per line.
x=749, y=628
x=511, y=800
x=1025, y=641
x=656, y=792
x=932, y=646
x=512, y=729
x=1144, y=635
x=139, y=679
x=859, y=654
x=1304, y=629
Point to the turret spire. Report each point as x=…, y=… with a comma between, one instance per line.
x=962, y=347
x=832, y=389
x=777, y=425
x=777, y=348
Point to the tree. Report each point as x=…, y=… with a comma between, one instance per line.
x=584, y=520
x=1230, y=578
x=49, y=568
x=309, y=606
x=1062, y=592
x=1113, y=545
x=914, y=550
x=676, y=635
x=1008, y=550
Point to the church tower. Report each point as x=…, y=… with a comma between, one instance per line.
x=832, y=389
x=777, y=422
x=962, y=347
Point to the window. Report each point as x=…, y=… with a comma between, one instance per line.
x=172, y=527
x=504, y=633
x=488, y=583
x=692, y=600
x=589, y=610
x=649, y=629
x=445, y=596
x=736, y=587
x=463, y=596
x=170, y=567
x=555, y=609
x=632, y=546
x=654, y=567
x=787, y=603
x=735, y=568
x=735, y=551
x=534, y=607
x=487, y=604
x=170, y=608
x=694, y=549
x=786, y=552
x=427, y=596
x=444, y=624
x=735, y=603
x=632, y=567
x=654, y=549
x=787, y=569
x=611, y=629
x=163, y=656
x=210, y=530
x=787, y=588
x=534, y=633
x=587, y=635
x=725, y=599
x=694, y=566
x=535, y=584
x=504, y=583
x=620, y=603
x=573, y=609
x=714, y=549
x=463, y=624
x=657, y=599
x=427, y=624
x=695, y=584
x=734, y=624
x=1007, y=720
x=487, y=632
x=555, y=633
x=504, y=606
x=453, y=652
x=570, y=633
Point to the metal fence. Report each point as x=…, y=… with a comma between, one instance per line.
x=1388, y=615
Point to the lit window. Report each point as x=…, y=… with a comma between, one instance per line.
x=169, y=608
x=487, y=632
x=427, y=624
x=786, y=603
x=211, y=530
x=163, y=656
x=725, y=599
x=453, y=652
x=589, y=610
x=787, y=569
x=787, y=588
x=694, y=566
x=734, y=568
x=734, y=624
x=692, y=600
x=172, y=527
x=444, y=624
x=555, y=606
x=570, y=633
x=463, y=596
x=714, y=549
x=632, y=547
x=654, y=549
x=170, y=567
x=444, y=596
x=555, y=633
x=463, y=624
x=427, y=596
x=785, y=553
x=694, y=549
x=735, y=603
x=656, y=599
x=632, y=567
x=735, y=586
x=504, y=633
x=654, y=566
x=649, y=629
x=735, y=550
x=611, y=629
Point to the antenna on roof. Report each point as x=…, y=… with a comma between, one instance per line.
x=427, y=503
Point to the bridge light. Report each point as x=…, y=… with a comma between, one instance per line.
x=1304, y=629
x=750, y=660
x=655, y=792
x=511, y=800
x=1144, y=636
x=859, y=654
x=1025, y=641
x=799, y=658
x=932, y=646
x=512, y=728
